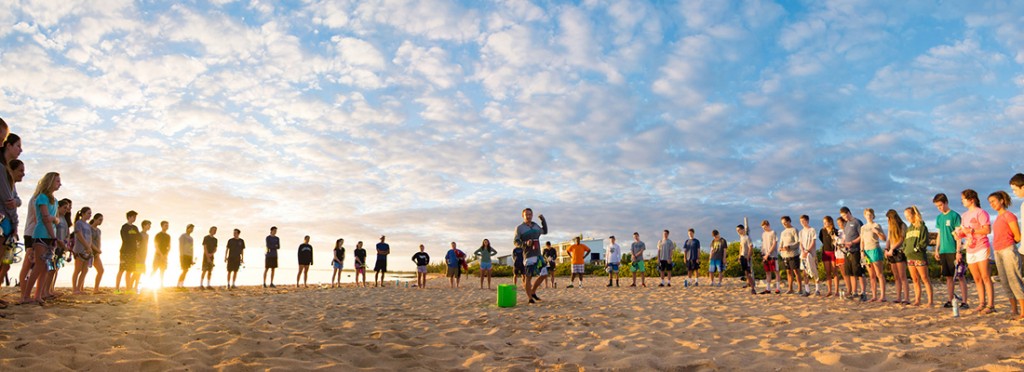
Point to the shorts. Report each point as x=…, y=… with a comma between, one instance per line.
x=790, y=263
x=361, y=270
x=270, y=262
x=947, y=261
x=769, y=266
x=535, y=267
x=638, y=266
x=454, y=272
x=897, y=256
x=851, y=266
x=551, y=263
x=234, y=263
x=207, y=264
x=745, y=266
x=811, y=265
x=976, y=257
x=485, y=266
x=421, y=269
x=578, y=269
x=160, y=264
x=518, y=269
x=127, y=262
x=664, y=265
x=716, y=266
x=693, y=265
x=918, y=263
x=828, y=256
x=381, y=265
x=186, y=262
x=337, y=266
x=840, y=262
x=613, y=268
x=874, y=255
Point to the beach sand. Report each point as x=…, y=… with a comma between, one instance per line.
x=593, y=328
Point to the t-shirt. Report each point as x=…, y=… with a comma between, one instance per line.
x=485, y=254
x=30, y=222
x=235, y=248
x=827, y=242
x=637, y=249
x=62, y=229
x=273, y=244
x=551, y=254
x=452, y=258
x=1002, y=236
x=86, y=229
x=768, y=244
x=185, y=245
x=129, y=239
x=976, y=219
x=360, y=254
x=96, y=239
x=915, y=242
x=527, y=236
x=421, y=259
x=789, y=243
x=691, y=248
x=305, y=253
x=40, y=231
x=851, y=232
x=517, y=256
x=578, y=253
x=339, y=254
x=746, y=246
x=614, y=254
x=665, y=248
x=718, y=249
x=143, y=247
x=946, y=223
x=382, y=250
x=163, y=242
x=869, y=237
x=210, y=244
x=808, y=236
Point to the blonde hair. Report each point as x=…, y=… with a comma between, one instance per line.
x=871, y=212
x=896, y=226
x=45, y=186
x=915, y=215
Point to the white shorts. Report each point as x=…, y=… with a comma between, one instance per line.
x=978, y=256
x=421, y=269
x=578, y=269
x=811, y=264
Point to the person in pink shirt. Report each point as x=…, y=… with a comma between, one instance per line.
x=974, y=231
x=1005, y=236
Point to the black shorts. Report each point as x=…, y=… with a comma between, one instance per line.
x=692, y=265
x=234, y=263
x=745, y=266
x=852, y=266
x=664, y=265
x=518, y=269
x=790, y=263
x=551, y=264
x=186, y=262
x=947, y=261
x=270, y=262
x=381, y=265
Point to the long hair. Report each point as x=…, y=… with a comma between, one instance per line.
x=45, y=186
x=896, y=226
x=96, y=218
x=915, y=215
x=8, y=167
x=66, y=216
x=830, y=225
x=80, y=213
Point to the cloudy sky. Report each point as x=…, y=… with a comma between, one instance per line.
x=437, y=121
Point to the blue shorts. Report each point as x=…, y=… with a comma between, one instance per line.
x=874, y=255
x=716, y=266
x=337, y=265
x=485, y=266
x=613, y=268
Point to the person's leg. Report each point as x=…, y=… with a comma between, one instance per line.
x=976, y=274
x=482, y=273
x=305, y=276
x=273, y=271
x=298, y=276
x=880, y=276
x=986, y=281
x=265, y=270
x=915, y=277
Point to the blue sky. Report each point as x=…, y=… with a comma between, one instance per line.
x=438, y=121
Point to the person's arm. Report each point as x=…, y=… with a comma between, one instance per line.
x=427, y=260
x=543, y=225
x=493, y=251
x=48, y=220
x=80, y=236
x=1015, y=229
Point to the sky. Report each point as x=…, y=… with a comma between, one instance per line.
x=439, y=121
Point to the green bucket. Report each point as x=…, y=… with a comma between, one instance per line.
x=506, y=295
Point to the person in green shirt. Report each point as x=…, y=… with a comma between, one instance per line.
x=947, y=250
x=485, y=252
x=915, y=246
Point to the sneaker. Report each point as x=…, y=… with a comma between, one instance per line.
x=535, y=297
x=272, y=285
x=616, y=284
x=696, y=283
x=661, y=285
x=609, y=285
x=948, y=305
x=965, y=306
x=778, y=291
x=766, y=292
x=264, y=285
x=668, y=285
x=570, y=286
x=633, y=285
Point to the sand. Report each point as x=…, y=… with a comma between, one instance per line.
x=593, y=328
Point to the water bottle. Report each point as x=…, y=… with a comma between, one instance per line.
x=686, y=284
x=956, y=306
x=842, y=293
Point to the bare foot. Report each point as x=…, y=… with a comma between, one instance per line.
x=916, y=303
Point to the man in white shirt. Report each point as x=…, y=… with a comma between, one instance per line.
x=769, y=246
x=614, y=258
x=746, y=250
x=789, y=254
x=808, y=252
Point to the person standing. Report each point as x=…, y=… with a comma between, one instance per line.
x=665, y=249
x=140, y=255
x=234, y=256
x=871, y=234
x=716, y=260
x=746, y=257
x=691, y=254
x=9, y=199
x=360, y=262
x=305, y=261
x=551, y=257
x=209, y=249
x=809, y=253
x=789, y=255
x=44, y=234
x=614, y=258
x=518, y=267
x=186, y=250
x=637, y=263
x=577, y=253
x=895, y=254
x=380, y=268
x=915, y=243
x=83, y=250
x=270, y=257
x=163, y=248
x=129, y=244
x=454, y=263
x=828, y=254
x=485, y=252
x=852, y=256
x=947, y=250
x=770, y=249
x=97, y=220
x=527, y=237
x=338, y=262
x=1005, y=236
x=422, y=260
x=975, y=229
